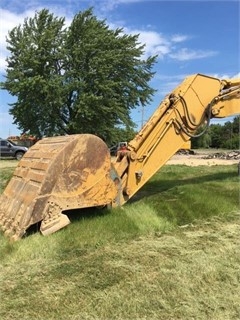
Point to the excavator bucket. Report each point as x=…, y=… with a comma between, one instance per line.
x=57, y=174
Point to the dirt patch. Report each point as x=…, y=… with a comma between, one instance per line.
x=197, y=160
x=208, y=158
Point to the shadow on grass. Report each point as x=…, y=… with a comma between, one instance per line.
x=151, y=188
x=86, y=213
x=159, y=186
x=74, y=216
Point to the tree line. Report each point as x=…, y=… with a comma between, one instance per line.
x=226, y=136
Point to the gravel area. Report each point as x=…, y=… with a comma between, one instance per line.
x=206, y=158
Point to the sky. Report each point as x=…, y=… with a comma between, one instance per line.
x=188, y=36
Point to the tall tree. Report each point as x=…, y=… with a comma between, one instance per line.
x=216, y=135
x=230, y=134
x=236, y=125
x=34, y=73
x=84, y=78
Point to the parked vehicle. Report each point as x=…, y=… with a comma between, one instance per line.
x=114, y=149
x=9, y=149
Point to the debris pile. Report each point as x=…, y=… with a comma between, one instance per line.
x=185, y=151
x=232, y=155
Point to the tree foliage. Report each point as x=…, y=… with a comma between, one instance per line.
x=82, y=79
x=34, y=74
x=220, y=136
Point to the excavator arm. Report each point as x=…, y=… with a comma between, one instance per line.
x=63, y=173
x=227, y=103
x=193, y=103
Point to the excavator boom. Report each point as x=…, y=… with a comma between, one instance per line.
x=194, y=102
x=62, y=173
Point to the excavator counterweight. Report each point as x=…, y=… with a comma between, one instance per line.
x=75, y=171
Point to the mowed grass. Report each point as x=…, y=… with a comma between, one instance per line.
x=172, y=252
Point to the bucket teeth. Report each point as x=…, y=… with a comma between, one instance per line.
x=52, y=225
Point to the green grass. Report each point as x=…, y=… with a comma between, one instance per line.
x=5, y=176
x=172, y=252
x=182, y=194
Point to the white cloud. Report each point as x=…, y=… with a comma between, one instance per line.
x=9, y=20
x=177, y=38
x=185, y=54
x=108, y=5
x=165, y=46
x=225, y=76
x=237, y=75
x=167, y=83
x=155, y=43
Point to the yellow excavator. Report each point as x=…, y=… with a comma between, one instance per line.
x=62, y=173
